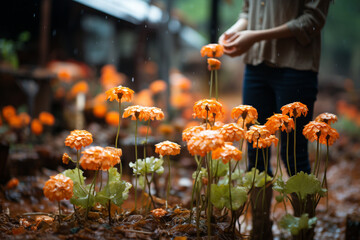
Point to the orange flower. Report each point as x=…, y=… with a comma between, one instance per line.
x=158, y=212
x=280, y=122
x=320, y=131
x=266, y=142
x=64, y=75
x=120, y=93
x=255, y=133
x=167, y=148
x=208, y=108
x=166, y=129
x=99, y=111
x=144, y=98
x=12, y=183
x=232, y=132
x=36, y=127
x=46, y=118
x=15, y=122
x=189, y=132
x=327, y=118
x=212, y=50
x=226, y=153
x=204, y=142
x=116, y=151
x=158, y=86
x=181, y=100
x=110, y=77
x=143, y=130
x=112, y=118
x=179, y=81
x=58, y=188
x=143, y=113
x=78, y=139
x=8, y=112
x=98, y=158
x=295, y=109
x=246, y=112
x=65, y=158
x=213, y=64
x=25, y=118
x=80, y=87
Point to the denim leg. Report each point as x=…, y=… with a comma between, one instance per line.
x=293, y=86
x=258, y=93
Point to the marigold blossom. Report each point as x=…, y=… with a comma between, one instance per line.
x=226, y=153
x=204, y=142
x=213, y=64
x=65, y=158
x=58, y=187
x=320, y=131
x=189, y=132
x=15, y=122
x=8, y=112
x=78, y=139
x=120, y=93
x=327, y=118
x=167, y=148
x=25, y=118
x=158, y=212
x=158, y=86
x=36, y=127
x=46, y=118
x=266, y=142
x=208, y=108
x=112, y=118
x=232, y=132
x=256, y=132
x=280, y=122
x=166, y=129
x=246, y=112
x=12, y=183
x=212, y=50
x=98, y=158
x=143, y=113
x=116, y=151
x=100, y=110
x=295, y=109
x=80, y=87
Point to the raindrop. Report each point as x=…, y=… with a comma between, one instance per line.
x=145, y=26
x=132, y=79
x=106, y=17
x=313, y=28
x=34, y=15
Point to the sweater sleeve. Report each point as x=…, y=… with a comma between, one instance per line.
x=245, y=10
x=310, y=21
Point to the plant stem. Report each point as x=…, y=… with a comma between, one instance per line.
x=256, y=161
x=231, y=208
x=211, y=82
x=195, y=188
x=118, y=130
x=316, y=157
x=287, y=153
x=77, y=165
x=149, y=186
x=278, y=167
x=108, y=193
x=168, y=183
x=136, y=162
x=216, y=86
x=209, y=195
x=88, y=200
x=295, y=145
x=146, y=138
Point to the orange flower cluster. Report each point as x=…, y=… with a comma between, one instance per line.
x=116, y=151
x=65, y=158
x=295, y=109
x=255, y=133
x=143, y=113
x=204, y=142
x=144, y=98
x=58, y=188
x=212, y=50
x=100, y=110
x=226, y=153
x=349, y=111
x=208, y=108
x=36, y=127
x=321, y=132
x=213, y=64
x=120, y=93
x=112, y=118
x=246, y=112
x=158, y=212
x=280, y=122
x=167, y=148
x=15, y=122
x=232, y=132
x=327, y=118
x=46, y=118
x=78, y=139
x=189, y=132
x=8, y=112
x=110, y=77
x=158, y=86
x=80, y=87
x=12, y=183
x=266, y=142
x=99, y=158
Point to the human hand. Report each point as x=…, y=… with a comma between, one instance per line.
x=236, y=44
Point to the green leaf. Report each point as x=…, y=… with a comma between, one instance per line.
x=73, y=174
x=220, y=196
x=296, y=224
x=117, y=191
x=219, y=169
x=148, y=165
x=259, y=178
x=303, y=184
x=279, y=185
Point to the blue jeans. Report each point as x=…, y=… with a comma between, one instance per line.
x=268, y=89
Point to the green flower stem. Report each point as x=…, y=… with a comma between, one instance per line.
x=230, y=183
x=295, y=145
x=91, y=193
x=287, y=153
x=216, y=86
x=169, y=180
x=198, y=211
x=146, y=137
x=324, y=181
x=109, y=202
x=149, y=186
x=78, y=165
x=195, y=188
x=59, y=212
x=136, y=162
x=316, y=157
x=256, y=161
x=118, y=130
x=209, y=205
x=318, y=163
x=211, y=82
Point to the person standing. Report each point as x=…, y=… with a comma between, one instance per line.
x=281, y=44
